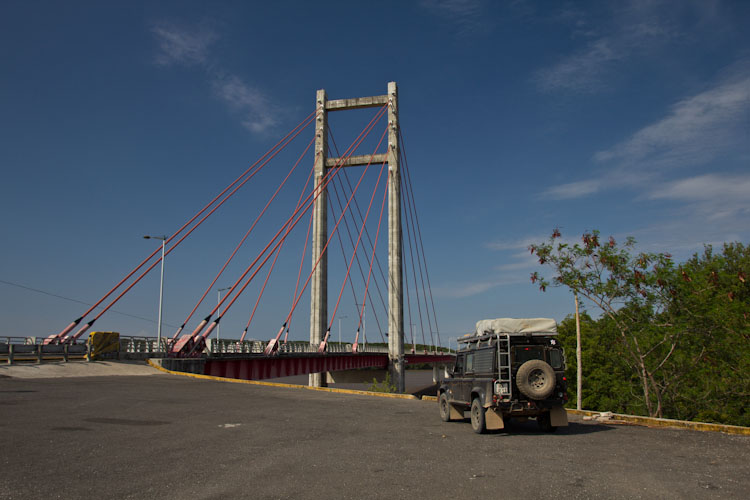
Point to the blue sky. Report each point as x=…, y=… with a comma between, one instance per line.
x=122, y=119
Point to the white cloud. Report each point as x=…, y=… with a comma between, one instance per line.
x=246, y=100
x=190, y=47
x=522, y=260
x=464, y=290
x=728, y=189
x=515, y=244
x=711, y=196
x=583, y=70
x=469, y=16
x=636, y=28
x=697, y=130
x=573, y=189
x=180, y=46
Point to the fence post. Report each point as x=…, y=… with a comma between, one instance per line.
x=65, y=353
x=10, y=354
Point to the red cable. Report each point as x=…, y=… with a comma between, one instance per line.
x=278, y=252
x=291, y=312
x=369, y=274
x=367, y=233
x=343, y=253
x=77, y=321
x=408, y=301
x=320, y=189
x=356, y=246
x=359, y=265
x=301, y=264
x=414, y=268
x=369, y=240
x=421, y=243
x=90, y=323
x=242, y=241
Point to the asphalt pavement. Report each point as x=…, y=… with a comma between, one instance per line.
x=168, y=436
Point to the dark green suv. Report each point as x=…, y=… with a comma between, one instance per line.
x=507, y=368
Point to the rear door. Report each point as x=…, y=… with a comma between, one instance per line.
x=468, y=379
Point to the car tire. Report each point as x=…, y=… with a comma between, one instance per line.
x=477, y=417
x=545, y=422
x=444, y=406
x=536, y=379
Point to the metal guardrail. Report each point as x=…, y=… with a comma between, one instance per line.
x=16, y=348
x=15, y=352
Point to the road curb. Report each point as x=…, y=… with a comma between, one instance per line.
x=667, y=422
x=634, y=419
x=656, y=422
x=288, y=386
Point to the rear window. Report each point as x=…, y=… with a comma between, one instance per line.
x=523, y=354
x=555, y=359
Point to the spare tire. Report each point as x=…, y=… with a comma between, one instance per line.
x=536, y=379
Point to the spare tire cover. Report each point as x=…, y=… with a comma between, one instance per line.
x=536, y=379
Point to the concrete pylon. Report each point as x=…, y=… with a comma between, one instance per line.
x=318, y=286
x=395, y=276
x=319, y=281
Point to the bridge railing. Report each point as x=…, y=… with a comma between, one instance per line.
x=142, y=345
x=232, y=346
x=14, y=349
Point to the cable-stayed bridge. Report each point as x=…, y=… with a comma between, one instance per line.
x=368, y=226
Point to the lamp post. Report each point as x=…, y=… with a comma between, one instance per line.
x=161, y=286
x=413, y=342
x=364, y=328
x=218, y=306
x=340, y=318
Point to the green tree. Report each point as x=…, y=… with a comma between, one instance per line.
x=711, y=303
x=628, y=288
x=678, y=333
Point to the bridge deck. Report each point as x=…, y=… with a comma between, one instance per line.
x=258, y=367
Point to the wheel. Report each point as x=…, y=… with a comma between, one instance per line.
x=545, y=422
x=445, y=409
x=477, y=416
x=536, y=379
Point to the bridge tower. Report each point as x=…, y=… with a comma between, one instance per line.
x=319, y=283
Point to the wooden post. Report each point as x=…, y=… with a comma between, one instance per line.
x=579, y=369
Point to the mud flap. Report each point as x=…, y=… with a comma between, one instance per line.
x=493, y=420
x=456, y=413
x=558, y=417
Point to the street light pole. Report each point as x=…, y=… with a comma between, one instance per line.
x=218, y=306
x=340, y=318
x=161, y=287
x=364, y=326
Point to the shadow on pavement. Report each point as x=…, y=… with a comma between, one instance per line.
x=530, y=428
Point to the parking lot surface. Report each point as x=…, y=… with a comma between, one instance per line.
x=167, y=436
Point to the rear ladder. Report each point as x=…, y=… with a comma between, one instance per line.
x=503, y=367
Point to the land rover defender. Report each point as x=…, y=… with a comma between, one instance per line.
x=507, y=368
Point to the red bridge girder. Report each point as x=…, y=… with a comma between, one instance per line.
x=264, y=367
